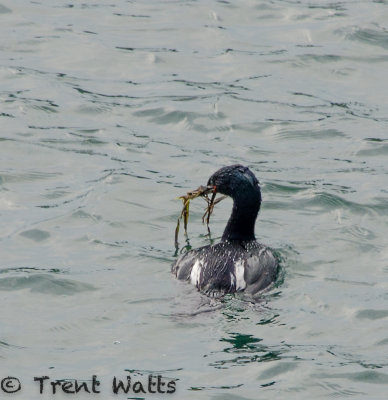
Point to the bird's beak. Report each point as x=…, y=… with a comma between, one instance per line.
x=211, y=189
x=200, y=191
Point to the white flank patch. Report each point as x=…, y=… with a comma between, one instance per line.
x=196, y=272
x=232, y=280
x=239, y=273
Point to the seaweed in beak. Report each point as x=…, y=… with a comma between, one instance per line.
x=203, y=192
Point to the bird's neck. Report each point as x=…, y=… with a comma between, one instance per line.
x=241, y=224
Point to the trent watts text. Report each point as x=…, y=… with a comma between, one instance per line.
x=138, y=385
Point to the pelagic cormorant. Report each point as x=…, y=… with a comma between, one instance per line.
x=238, y=262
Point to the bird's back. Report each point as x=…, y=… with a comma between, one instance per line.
x=227, y=267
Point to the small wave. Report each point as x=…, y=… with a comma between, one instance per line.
x=369, y=376
x=74, y=198
x=6, y=345
x=307, y=134
x=273, y=187
x=372, y=314
x=375, y=149
x=37, y=235
x=27, y=176
x=329, y=201
x=370, y=36
x=44, y=283
x=5, y=10
x=336, y=390
x=325, y=202
x=279, y=369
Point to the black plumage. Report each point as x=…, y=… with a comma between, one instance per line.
x=238, y=262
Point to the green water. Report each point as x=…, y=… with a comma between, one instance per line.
x=109, y=111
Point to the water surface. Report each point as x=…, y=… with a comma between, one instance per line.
x=109, y=111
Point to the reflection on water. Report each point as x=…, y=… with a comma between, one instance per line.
x=246, y=349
